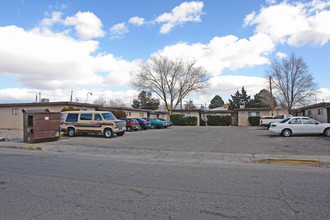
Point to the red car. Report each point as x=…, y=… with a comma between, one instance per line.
x=131, y=124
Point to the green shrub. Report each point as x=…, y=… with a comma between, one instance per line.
x=119, y=114
x=215, y=120
x=177, y=119
x=180, y=120
x=228, y=120
x=254, y=120
x=70, y=108
x=190, y=121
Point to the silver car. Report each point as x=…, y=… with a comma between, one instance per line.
x=299, y=125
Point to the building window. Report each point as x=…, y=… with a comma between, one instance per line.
x=254, y=113
x=128, y=113
x=141, y=115
x=15, y=111
x=309, y=113
x=320, y=111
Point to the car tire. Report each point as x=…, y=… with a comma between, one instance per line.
x=327, y=132
x=129, y=128
x=108, y=133
x=286, y=133
x=121, y=133
x=71, y=132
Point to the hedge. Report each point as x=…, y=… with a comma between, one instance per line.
x=219, y=120
x=215, y=120
x=180, y=120
x=254, y=120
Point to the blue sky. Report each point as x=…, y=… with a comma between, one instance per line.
x=53, y=47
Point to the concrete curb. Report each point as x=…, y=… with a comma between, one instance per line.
x=32, y=148
x=316, y=163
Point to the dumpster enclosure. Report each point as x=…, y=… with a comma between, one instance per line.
x=40, y=125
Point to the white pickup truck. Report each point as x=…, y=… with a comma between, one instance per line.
x=267, y=120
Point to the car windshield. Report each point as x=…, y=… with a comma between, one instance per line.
x=108, y=116
x=134, y=120
x=285, y=120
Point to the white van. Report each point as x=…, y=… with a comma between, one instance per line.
x=95, y=122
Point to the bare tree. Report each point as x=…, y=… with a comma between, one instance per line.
x=115, y=103
x=171, y=80
x=100, y=101
x=292, y=80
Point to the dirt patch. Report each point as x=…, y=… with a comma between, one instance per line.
x=11, y=135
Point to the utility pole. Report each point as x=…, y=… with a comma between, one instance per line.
x=271, y=95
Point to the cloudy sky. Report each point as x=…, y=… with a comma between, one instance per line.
x=53, y=47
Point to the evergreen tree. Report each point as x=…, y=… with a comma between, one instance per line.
x=216, y=102
x=262, y=100
x=235, y=100
x=189, y=105
x=145, y=101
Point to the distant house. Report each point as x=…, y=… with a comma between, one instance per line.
x=11, y=116
x=130, y=112
x=319, y=111
x=244, y=113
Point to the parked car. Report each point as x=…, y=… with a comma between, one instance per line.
x=167, y=123
x=267, y=120
x=155, y=123
x=96, y=122
x=131, y=124
x=143, y=123
x=300, y=125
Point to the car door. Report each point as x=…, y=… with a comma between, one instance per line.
x=296, y=126
x=85, y=122
x=311, y=126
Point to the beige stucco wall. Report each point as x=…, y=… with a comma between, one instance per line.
x=10, y=121
x=136, y=114
x=314, y=114
x=244, y=115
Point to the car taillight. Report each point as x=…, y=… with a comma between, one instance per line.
x=261, y=122
x=145, y=122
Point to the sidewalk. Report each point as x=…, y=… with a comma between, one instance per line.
x=175, y=156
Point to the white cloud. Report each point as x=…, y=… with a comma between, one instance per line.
x=42, y=59
x=225, y=52
x=323, y=95
x=119, y=30
x=298, y=23
x=55, y=18
x=271, y=2
x=58, y=95
x=249, y=18
x=136, y=21
x=281, y=55
x=87, y=25
x=187, y=11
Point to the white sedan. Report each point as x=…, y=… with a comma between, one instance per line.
x=300, y=125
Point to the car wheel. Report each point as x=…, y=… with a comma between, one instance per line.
x=121, y=133
x=129, y=129
x=286, y=133
x=327, y=132
x=71, y=132
x=152, y=127
x=107, y=133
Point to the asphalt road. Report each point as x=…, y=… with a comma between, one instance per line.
x=57, y=185
x=237, y=140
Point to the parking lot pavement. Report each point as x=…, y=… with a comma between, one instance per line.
x=241, y=144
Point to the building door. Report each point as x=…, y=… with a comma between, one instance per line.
x=328, y=114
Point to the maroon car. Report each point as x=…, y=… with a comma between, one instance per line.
x=131, y=124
